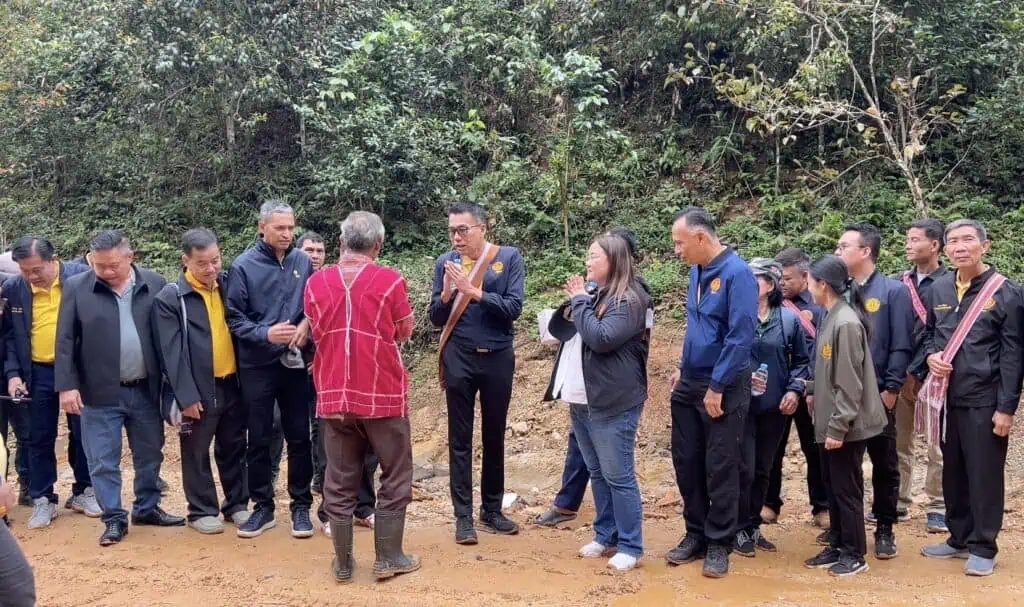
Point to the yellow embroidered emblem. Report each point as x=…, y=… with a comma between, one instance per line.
x=826, y=351
x=807, y=314
x=989, y=305
x=716, y=285
x=498, y=267
x=943, y=308
x=872, y=305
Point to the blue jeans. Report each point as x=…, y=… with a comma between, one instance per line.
x=44, y=417
x=607, y=445
x=574, y=478
x=140, y=417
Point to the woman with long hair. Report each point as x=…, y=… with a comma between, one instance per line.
x=780, y=356
x=611, y=325
x=848, y=410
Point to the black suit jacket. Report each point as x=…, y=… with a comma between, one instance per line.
x=89, y=337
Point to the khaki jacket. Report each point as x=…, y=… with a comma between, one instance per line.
x=847, y=404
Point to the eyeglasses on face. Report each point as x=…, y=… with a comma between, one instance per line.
x=461, y=231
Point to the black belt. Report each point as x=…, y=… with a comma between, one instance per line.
x=39, y=364
x=132, y=383
x=233, y=377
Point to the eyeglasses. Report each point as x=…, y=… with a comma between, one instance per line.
x=843, y=247
x=462, y=230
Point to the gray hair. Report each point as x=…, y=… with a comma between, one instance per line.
x=361, y=230
x=968, y=223
x=273, y=207
x=697, y=219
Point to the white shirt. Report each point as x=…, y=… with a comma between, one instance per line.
x=569, y=385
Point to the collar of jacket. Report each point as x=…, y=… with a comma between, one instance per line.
x=140, y=281
x=185, y=287
x=269, y=251
x=805, y=297
x=719, y=259
x=937, y=274
x=977, y=281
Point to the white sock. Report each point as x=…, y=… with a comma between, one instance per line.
x=592, y=550
x=623, y=562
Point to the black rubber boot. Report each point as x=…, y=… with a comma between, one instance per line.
x=343, y=564
x=388, y=532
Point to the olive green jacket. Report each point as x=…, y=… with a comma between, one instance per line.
x=847, y=405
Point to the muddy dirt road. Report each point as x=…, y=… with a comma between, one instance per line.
x=538, y=567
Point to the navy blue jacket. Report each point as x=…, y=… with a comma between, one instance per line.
x=721, y=314
x=782, y=345
x=489, y=323
x=18, y=320
x=892, y=317
x=263, y=292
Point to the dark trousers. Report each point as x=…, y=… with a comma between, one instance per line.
x=17, y=584
x=885, y=474
x=44, y=416
x=276, y=444
x=760, y=443
x=319, y=458
x=15, y=417
x=224, y=425
x=346, y=443
x=467, y=373
x=974, y=460
x=261, y=386
x=706, y=457
x=366, y=501
x=575, y=477
x=844, y=479
x=816, y=492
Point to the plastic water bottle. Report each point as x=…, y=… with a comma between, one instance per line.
x=760, y=380
x=591, y=287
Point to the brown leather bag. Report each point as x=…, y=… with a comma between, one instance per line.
x=476, y=278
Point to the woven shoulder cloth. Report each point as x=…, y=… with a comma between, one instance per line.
x=915, y=298
x=804, y=321
x=476, y=278
x=931, y=399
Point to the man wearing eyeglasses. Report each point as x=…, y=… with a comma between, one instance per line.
x=887, y=302
x=477, y=296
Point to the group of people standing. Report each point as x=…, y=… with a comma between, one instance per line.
x=857, y=360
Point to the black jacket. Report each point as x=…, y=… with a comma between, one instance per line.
x=195, y=382
x=89, y=337
x=17, y=321
x=781, y=344
x=615, y=348
x=263, y=292
x=892, y=327
x=988, y=368
x=918, y=364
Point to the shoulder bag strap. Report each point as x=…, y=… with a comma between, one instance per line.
x=476, y=278
x=804, y=322
x=915, y=298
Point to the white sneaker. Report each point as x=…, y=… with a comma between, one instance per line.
x=365, y=522
x=85, y=503
x=327, y=529
x=623, y=562
x=240, y=518
x=207, y=525
x=43, y=513
x=593, y=550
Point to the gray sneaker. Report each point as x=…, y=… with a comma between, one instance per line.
x=207, y=525
x=979, y=566
x=943, y=551
x=43, y=513
x=85, y=503
x=239, y=518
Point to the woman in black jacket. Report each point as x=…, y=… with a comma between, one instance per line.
x=780, y=346
x=612, y=328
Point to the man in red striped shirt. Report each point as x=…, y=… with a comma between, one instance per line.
x=359, y=313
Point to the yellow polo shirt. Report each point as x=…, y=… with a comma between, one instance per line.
x=45, y=306
x=961, y=289
x=223, y=349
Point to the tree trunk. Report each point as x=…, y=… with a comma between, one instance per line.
x=229, y=129
x=917, y=193
x=778, y=163
x=302, y=134
x=563, y=185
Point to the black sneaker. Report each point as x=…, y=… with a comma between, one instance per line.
x=744, y=545
x=302, y=526
x=115, y=532
x=690, y=549
x=825, y=559
x=260, y=521
x=762, y=543
x=716, y=563
x=824, y=538
x=498, y=523
x=848, y=565
x=885, y=543
x=465, y=532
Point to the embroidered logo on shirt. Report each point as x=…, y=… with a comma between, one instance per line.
x=872, y=305
x=826, y=351
x=498, y=267
x=943, y=308
x=296, y=273
x=716, y=285
x=989, y=305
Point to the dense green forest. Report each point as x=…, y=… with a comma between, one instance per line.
x=785, y=118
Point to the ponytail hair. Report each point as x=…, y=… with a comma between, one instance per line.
x=833, y=272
